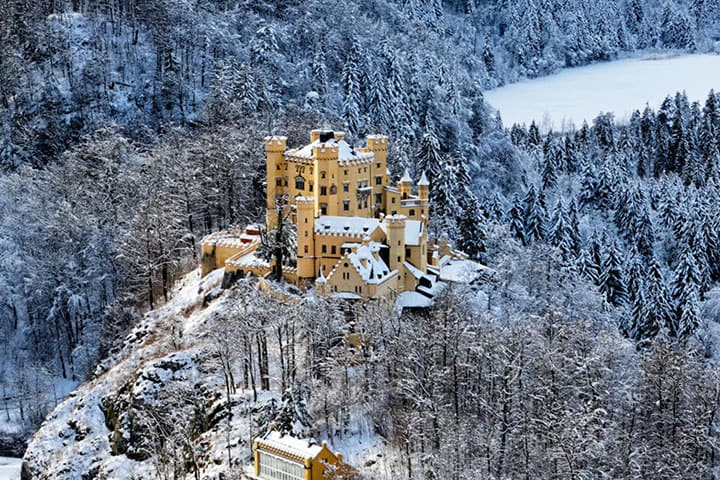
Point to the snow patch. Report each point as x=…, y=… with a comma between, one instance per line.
x=574, y=95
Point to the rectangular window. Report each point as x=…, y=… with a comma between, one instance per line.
x=311, y=187
x=323, y=190
x=323, y=249
x=378, y=180
x=412, y=212
x=346, y=172
x=393, y=199
x=323, y=209
x=378, y=199
x=333, y=250
x=278, y=167
x=346, y=205
x=276, y=468
x=407, y=252
x=346, y=187
x=378, y=165
x=306, y=249
x=278, y=182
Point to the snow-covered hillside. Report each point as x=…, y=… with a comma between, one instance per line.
x=116, y=426
x=579, y=94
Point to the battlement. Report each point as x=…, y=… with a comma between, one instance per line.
x=377, y=142
x=326, y=152
x=304, y=201
x=395, y=220
x=275, y=144
x=324, y=135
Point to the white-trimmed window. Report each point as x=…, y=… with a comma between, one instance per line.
x=274, y=467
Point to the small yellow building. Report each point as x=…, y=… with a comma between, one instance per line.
x=284, y=457
x=358, y=236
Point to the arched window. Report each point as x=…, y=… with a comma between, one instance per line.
x=299, y=183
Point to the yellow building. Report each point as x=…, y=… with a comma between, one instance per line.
x=284, y=457
x=358, y=236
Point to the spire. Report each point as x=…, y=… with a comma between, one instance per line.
x=321, y=277
x=423, y=180
x=406, y=177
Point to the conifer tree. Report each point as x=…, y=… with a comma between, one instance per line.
x=612, y=278
x=352, y=86
x=534, y=216
x=517, y=220
x=429, y=157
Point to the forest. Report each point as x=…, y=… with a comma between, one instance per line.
x=129, y=129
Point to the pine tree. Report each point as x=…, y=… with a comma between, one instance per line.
x=561, y=234
x=534, y=216
x=517, y=220
x=685, y=286
x=658, y=312
x=470, y=224
x=319, y=71
x=351, y=79
x=429, y=157
x=444, y=202
x=612, y=278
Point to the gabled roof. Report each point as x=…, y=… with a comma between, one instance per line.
x=289, y=446
x=350, y=226
x=370, y=268
x=345, y=150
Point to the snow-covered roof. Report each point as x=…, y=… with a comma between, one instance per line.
x=413, y=300
x=423, y=181
x=406, y=177
x=351, y=226
x=413, y=232
x=248, y=260
x=463, y=271
x=370, y=266
x=414, y=271
x=321, y=278
x=345, y=150
x=293, y=446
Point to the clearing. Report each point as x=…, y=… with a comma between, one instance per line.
x=563, y=100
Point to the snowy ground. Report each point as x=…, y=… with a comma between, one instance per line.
x=9, y=468
x=573, y=95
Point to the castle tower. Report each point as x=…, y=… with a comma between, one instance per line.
x=378, y=145
x=275, y=163
x=424, y=187
x=325, y=158
x=396, y=240
x=305, y=240
x=405, y=185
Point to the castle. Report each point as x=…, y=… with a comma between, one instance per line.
x=358, y=236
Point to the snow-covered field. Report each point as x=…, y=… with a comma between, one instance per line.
x=9, y=468
x=573, y=95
